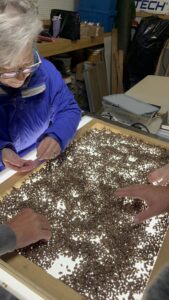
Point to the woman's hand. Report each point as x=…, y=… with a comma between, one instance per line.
x=13, y=161
x=29, y=227
x=156, y=197
x=48, y=148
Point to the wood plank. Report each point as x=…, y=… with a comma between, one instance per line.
x=114, y=61
x=167, y=71
x=61, y=45
x=161, y=59
x=121, y=62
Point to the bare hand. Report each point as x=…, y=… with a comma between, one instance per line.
x=13, y=161
x=49, y=148
x=156, y=197
x=29, y=227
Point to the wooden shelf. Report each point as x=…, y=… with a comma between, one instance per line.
x=47, y=49
x=46, y=23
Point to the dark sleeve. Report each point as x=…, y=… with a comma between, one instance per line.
x=159, y=289
x=7, y=239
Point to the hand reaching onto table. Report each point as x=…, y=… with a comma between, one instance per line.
x=29, y=227
x=156, y=198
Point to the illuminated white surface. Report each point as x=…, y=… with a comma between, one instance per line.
x=16, y=288
x=60, y=265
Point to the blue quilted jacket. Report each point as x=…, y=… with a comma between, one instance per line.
x=44, y=106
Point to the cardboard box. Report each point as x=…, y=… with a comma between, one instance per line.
x=153, y=90
x=90, y=30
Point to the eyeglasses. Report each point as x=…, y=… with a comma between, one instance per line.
x=25, y=71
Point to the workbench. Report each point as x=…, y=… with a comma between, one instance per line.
x=47, y=49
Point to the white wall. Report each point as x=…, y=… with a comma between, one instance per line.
x=45, y=6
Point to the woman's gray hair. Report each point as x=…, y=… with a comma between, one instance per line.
x=19, y=27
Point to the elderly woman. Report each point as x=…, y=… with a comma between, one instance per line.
x=36, y=107
x=36, y=110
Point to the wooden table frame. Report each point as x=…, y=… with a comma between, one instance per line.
x=37, y=279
